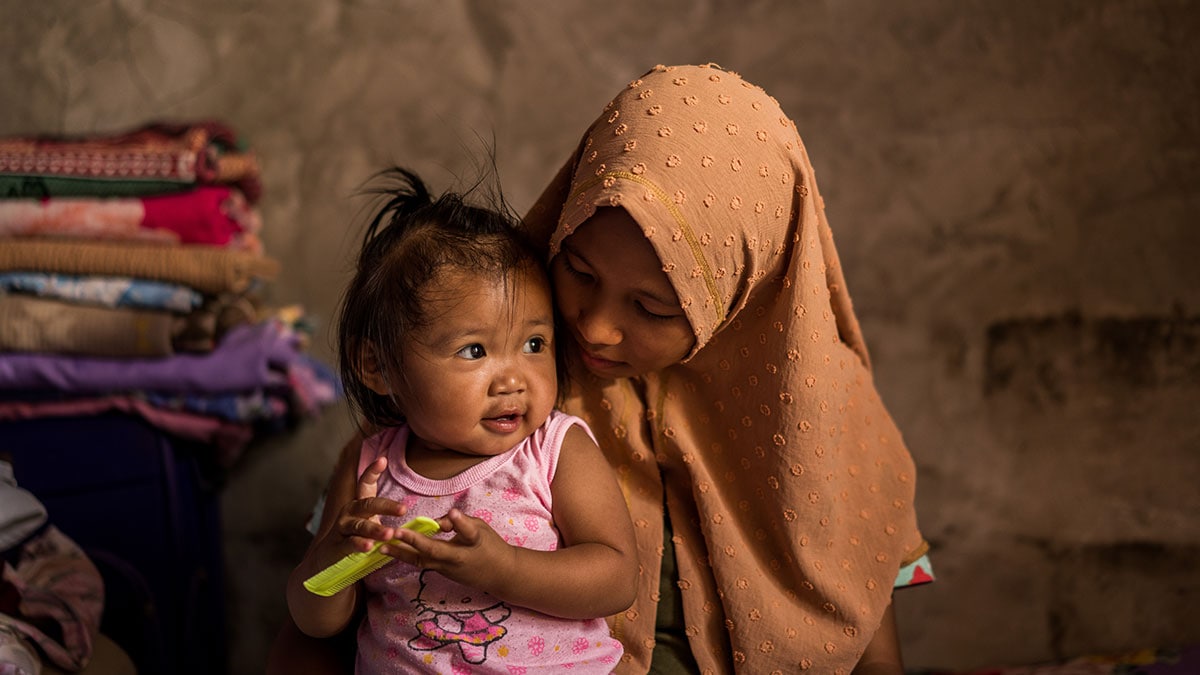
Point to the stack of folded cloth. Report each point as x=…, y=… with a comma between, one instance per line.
x=130, y=272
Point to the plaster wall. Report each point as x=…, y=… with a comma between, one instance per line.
x=1014, y=188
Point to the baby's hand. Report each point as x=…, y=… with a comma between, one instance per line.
x=358, y=522
x=476, y=556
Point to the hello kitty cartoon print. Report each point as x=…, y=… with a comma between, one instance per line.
x=453, y=615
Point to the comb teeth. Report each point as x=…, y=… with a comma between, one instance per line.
x=348, y=570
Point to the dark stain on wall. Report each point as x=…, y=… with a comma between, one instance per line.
x=1107, y=595
x=1043, y=358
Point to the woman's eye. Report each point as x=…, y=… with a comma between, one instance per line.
x=574, y=270
x=535, y=345
x=653, y=315
x=472, y=352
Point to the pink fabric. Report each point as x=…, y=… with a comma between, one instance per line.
x=214, y=215
x=417, y=620
x=206, y=215
x=84, y=218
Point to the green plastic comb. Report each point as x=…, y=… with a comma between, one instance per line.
x=355, y=566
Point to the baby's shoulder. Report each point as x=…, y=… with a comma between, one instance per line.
x=561, y=427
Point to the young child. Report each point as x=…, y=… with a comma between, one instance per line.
x=447, y=348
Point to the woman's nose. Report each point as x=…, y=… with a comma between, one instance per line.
x=596, y=327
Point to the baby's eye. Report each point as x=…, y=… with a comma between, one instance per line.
x=535, y=345
x=472, y=352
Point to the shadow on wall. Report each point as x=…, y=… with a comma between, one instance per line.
x=1099, y=415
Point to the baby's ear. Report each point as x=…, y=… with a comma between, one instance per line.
x=369, y=371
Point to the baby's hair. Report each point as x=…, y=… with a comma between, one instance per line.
x=413, y=237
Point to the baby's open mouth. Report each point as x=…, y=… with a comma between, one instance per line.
x=506, y=423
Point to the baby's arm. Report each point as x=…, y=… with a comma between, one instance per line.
x=349, y=522
x=594, y=574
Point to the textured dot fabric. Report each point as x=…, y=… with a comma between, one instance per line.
x=789, y=487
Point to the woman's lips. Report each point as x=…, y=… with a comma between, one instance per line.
x=598, y=363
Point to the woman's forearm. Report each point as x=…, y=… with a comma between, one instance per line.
x=882, y=656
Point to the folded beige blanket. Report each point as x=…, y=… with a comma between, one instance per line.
x=208, y=269
x=29, y=324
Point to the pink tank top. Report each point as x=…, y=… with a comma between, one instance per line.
x=420, y=621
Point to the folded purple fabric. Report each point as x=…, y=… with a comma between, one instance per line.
x=248, y=357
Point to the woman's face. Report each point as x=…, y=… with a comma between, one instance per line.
x=615, y=299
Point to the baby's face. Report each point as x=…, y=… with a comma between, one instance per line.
x=616, y=300
x=481, y=377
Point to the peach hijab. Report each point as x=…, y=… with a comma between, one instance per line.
x=789, y=488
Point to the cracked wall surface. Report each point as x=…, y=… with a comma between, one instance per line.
x=1014, y=188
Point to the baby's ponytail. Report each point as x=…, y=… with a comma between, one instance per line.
x=406, y=195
